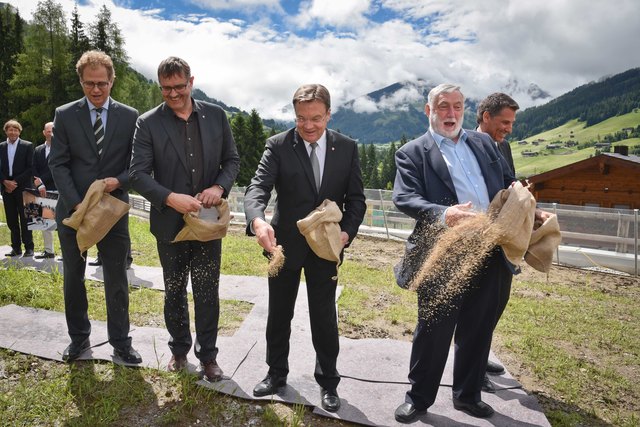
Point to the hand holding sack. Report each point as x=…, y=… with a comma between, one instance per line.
x=206, y=224
x=96, y=215
x=321, y=229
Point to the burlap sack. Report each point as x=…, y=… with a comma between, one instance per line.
x=321, y=229
x=513, y=211
x=203, y=230
x=544, y=241
x=96, y=215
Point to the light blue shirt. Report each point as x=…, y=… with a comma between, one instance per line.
x=105, y=108
x=464, y=170
x=11, y=153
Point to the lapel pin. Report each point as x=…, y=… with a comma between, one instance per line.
x=333, y=148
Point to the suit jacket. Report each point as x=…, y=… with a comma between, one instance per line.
x=285, y=165
x=159, y=164
x=21, y=164
x=423, y=188
x=505, y=150
x=40, y=167
x=74, y=160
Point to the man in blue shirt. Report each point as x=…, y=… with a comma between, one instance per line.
x=444, y=177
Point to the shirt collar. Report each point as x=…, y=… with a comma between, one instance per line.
x=439, y=138
x=104, y=106
x=322, y=142
x=17, y=140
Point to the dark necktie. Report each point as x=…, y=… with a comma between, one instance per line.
x=315, y=164
x=98, y=130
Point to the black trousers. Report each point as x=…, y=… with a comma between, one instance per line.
x=201, y=260
x=113, y=249
x=321, y=295
x=473, y=317
x=17, y=221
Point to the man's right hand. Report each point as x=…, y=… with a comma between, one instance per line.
x=183, y=203
x=265, y=234
x=457, y=213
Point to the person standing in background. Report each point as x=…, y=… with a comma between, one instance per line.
x=495, y=117
x=16, y=156
x=43, y=181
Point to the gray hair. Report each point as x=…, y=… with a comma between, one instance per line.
x=439, y=90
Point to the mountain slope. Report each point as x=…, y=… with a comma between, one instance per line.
x=590, y=103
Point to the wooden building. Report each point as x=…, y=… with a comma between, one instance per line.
x=609, y=180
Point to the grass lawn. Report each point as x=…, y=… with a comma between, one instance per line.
x=574, y=343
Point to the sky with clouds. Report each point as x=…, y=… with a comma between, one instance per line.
x=255, y=53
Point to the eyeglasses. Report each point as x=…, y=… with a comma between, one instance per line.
x=92, y=85
x=314, y=120
x=178, y=88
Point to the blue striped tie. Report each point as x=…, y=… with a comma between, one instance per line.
x=98, y=130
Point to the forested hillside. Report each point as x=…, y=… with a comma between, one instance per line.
x=590, y=103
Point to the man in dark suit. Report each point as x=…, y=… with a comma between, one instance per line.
x=306, y=165
x=92, y=140
x=43, y=181
x=185, y=159
x=446, y=176
x=495, y=117
x=16, y=156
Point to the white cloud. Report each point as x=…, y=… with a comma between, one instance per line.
x=336, y=13
x=252, y=63
x=364, y=104
x=236, y=4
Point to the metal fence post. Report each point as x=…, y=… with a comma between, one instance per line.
x=555, y=212
x=635, y=239
x=384, y=213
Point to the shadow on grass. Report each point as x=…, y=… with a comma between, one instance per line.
x=105, y=393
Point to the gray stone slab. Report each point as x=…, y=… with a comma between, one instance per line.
x=374, y=370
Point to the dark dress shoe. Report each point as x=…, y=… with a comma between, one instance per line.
x=44, y=255
x=96, y=263
x=477, y=409
x=494, y=368
x=74, y=350
x=177, y=363
x=407, y=412
x=487, y=385
x=330, y=400
x=212, y=371
x=28, y=253
x=14, y=253
x=127, y=355
x=269, y=385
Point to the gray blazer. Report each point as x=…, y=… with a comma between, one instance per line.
x=159, y=163
x=74, y=161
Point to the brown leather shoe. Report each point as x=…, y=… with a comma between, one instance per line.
x=212, y=371
x=177, y=363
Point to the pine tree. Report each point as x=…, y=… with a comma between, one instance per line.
x=364, y=165
x=388, y=173
x=257, y=138
x=11, y=34
x=240, y=131
x=78, y=44
x=372, y=165
x=37, y=87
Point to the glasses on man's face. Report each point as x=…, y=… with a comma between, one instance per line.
x=178, y=88
x=92, y=85
x=313, y=120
